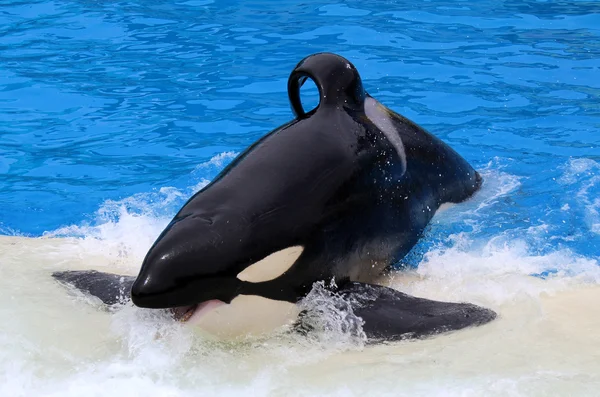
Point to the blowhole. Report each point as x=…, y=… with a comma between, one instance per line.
x=309, y=94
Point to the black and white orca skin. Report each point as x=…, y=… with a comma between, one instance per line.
x=345, y=189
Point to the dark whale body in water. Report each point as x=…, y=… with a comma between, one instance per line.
x=350, y=185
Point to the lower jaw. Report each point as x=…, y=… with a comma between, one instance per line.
x=195, y=312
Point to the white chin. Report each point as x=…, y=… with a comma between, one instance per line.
x=246, y=315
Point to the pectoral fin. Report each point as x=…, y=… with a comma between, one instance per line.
x=111, y=289
x=388, y=315
x=391, y=315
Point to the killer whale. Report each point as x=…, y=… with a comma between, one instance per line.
x=351, y=185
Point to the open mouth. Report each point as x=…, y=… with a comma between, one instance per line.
x=185, y=313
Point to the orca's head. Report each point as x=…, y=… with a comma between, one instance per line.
x=199, y=261
x=244, y=230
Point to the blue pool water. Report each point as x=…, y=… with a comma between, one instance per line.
x=110, y=109
x=112, y=113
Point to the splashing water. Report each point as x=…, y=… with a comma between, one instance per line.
x=330, y=319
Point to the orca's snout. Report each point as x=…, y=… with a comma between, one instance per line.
x=169, y=280
x=165, y=279
x=148, y=293
x=152, y=293
x=193, y=261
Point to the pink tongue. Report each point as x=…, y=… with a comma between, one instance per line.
x=206, y=307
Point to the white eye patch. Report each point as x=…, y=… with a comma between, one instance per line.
x=272, y=266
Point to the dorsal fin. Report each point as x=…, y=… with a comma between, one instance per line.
x=336, y=78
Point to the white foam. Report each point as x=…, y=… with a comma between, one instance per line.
x=496, y=272
x=219, y=161
x=585, y=173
